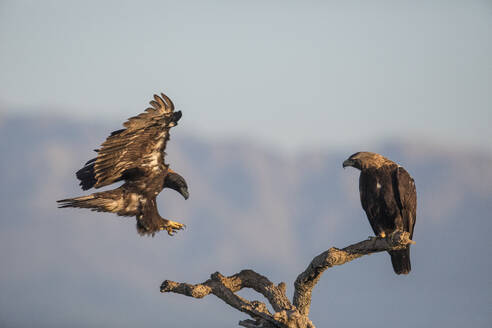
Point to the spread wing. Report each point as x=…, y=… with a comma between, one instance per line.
x=136, y=150
x=407, y=198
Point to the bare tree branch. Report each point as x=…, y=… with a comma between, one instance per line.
x=306, y=281
x=286, y=315
x=224, y=288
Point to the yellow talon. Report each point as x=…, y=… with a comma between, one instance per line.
x=172, y=227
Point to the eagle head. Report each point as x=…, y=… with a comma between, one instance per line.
x=175, y=181
x=364, y=160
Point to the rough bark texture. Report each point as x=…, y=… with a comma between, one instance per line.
x=287, y=314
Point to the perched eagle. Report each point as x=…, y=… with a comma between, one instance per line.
x=134, y=154
x=389, y=198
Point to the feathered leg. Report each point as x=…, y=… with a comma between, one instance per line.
x=150, y=222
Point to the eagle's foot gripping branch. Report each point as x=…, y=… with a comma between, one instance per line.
x=172, y=227
x=395, y=237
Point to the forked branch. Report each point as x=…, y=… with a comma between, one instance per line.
x=286, y=314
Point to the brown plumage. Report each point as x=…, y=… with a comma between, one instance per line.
x=389, y=198
x=134, y=154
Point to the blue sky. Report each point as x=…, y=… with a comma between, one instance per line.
x=310, y=74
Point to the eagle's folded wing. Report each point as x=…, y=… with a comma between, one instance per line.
x=407, y=198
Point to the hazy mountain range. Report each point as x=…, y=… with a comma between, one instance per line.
x=250, y=207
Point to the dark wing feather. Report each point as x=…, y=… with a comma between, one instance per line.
x=372, y=200
x=378, y=202
x=406, y=198
x=139, y=146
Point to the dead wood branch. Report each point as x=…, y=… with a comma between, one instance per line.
x=287, y=315
x=306, y=281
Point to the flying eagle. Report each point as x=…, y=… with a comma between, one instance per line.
x=135, y=155
x=389, y=198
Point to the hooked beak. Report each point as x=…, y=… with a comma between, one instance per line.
x=184, y=192
x=348, y=162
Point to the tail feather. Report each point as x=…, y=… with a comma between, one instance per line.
x=401, y=261
x=107, y=201
x=82, y=202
